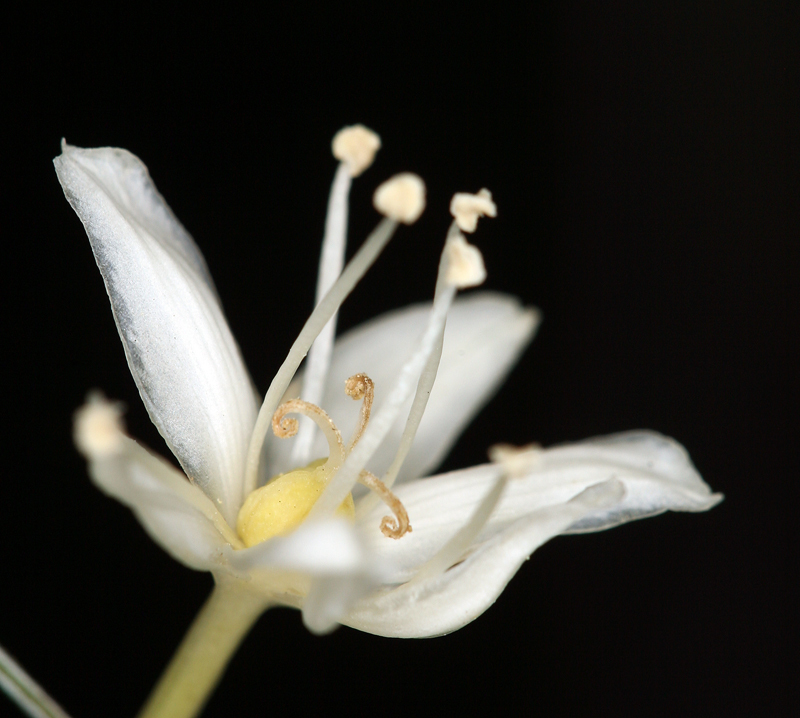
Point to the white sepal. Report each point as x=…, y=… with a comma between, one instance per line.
x=450, y=600
x=331, y=598
x=176, y=514
x=656, y=471
x=324, y=562
x=179, y=348
x=315, y=548
x=486, y=332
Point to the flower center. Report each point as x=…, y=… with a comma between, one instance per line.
x=282, y=504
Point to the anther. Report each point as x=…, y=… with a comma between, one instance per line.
x=465, y=266
x=356, y=146
x=393, y=528
x=401, y=198
x=98, y=427
x=516, y=461
x=466, y=208
x=360, y=386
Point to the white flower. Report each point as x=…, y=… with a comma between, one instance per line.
x=472, y=529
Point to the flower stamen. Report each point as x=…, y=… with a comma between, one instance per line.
x=459, y=261
x=469, y=271
x=467, y=208
x=401, y=198
x=355, y=147
x=322, y=313
x=98, y=430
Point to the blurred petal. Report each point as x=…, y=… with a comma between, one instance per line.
x=176, y=514
x=449, y=601
x=333, y=597
x=316, y=548
x=486, y=333
x=656, y=471
x=321, y=567
x=179, y=348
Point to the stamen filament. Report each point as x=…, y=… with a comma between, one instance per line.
x=330, y=267
x=454, y=549
x=283, y=427
x=354, y=271
x=470, y=272
x=360, y=386
x=427, y=377
x=423, y=392
x=392, y=528
x=342, y=484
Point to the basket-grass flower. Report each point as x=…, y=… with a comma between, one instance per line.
x=270, y=506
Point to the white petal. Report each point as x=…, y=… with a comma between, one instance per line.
x=656, y=471
x=486, y=332
x=450, y=600
x=176, y=514
x=321, y=567
x=316, y=548
x=179, y=348
x=332, y=598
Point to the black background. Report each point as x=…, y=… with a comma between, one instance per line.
x=644, y=158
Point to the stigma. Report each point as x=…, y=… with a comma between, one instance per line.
x=284, y=502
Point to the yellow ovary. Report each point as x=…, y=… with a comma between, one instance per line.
x=281, y=505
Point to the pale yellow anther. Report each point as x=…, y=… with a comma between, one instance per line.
x=356, y=146
x=401, y=198
x=98, y=427
x=281, y=505
x=516, y=461
x=465, y=267
x=466, y=208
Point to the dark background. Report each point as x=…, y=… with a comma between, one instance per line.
x=644, y=158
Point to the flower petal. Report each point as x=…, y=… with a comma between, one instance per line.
x=176, y=514
x=333, y=597
x=178, y=345
x=486, y=333
x=658, y=475
x=449, y=601
x=321, y=567
x=656, y=471
x=315, y=548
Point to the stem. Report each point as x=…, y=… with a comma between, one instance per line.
x=198, y=664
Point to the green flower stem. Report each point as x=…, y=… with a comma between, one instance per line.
x=198, y=664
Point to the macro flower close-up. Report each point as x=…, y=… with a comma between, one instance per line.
x=408, y=311
x=344, y=522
